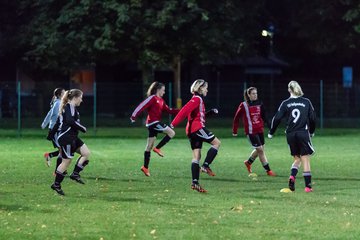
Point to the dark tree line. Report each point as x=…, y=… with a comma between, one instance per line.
x=62, y=35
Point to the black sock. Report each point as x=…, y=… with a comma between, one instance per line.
x=211, y=154
x=146, y=159
x=54, y=154
x=195, y=171
x=251, y=160
x=307, y=178
x=266, y=167
x=58, y=162
x=78, y=167
x=294, y=172
x=163, y=141
x=59, y=178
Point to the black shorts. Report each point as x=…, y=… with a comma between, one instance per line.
x=300, y=143
x=256, y=140
x=156, y=128
x=200, y=136
x=68, y=150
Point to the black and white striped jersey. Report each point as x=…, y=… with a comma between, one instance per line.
x=69, y=122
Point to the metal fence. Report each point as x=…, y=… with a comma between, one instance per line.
x=111, y=103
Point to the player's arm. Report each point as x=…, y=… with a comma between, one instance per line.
x=69, y=116
x=47, y=119
x=277, y=119
x=236, y=119
x=312, y=119
x=172, y=111
x=211, y=112
x=142, y=106
x=185, y=111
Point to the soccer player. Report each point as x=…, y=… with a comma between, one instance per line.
x=253, y=116
x=69, y=141
x=50, y=120
x=155, y=106
x=300, y=122
x=194, y=110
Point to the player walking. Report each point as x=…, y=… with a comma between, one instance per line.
x=253, y=116
x=300, y=122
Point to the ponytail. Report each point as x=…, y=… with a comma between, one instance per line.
x=68, y=96
x=64, y=101
x=153, y=88
x=56, y=95
x=295, y=88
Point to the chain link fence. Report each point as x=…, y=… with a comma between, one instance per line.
x=110, y=104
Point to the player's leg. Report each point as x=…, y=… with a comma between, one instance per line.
x=169, y=134
x=61, y=170
x=210, y=156
x=149, y=145
x=81, y=162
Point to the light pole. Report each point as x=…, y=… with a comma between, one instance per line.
x=270, y=33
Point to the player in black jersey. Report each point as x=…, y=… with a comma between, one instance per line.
x=69, y=124
x=300, y=127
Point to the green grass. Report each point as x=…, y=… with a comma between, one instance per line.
x=119, y=202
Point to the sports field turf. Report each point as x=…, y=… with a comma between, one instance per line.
x=119, y=202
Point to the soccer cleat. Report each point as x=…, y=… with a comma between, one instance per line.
x=158, y=151
x=307, y=189
x=47, y=159
x=145, y=171
x=76, y=177
x=292, y=183
x=248, y=166
x=197, y=187
x=208, y=171
x=58, y=189
x=270, y=173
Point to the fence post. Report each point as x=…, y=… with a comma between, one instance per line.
x=19, y=107
x=95, y=110
x=321, y=105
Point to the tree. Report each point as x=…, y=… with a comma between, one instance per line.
x=153, y=33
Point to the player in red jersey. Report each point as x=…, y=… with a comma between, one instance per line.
x=155, y=106
x=253, y=117
x=194, y=111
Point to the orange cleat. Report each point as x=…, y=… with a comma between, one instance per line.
x=208, y=171
x=158, y=151
x=271, y=173
x=197, y=187
x=145, y=171
x=248, y=166
x=47, y=159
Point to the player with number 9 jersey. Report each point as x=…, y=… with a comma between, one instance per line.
x=300, y=127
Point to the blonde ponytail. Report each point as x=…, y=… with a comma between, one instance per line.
x=295, y=88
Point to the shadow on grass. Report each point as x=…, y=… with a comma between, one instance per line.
x=13, y=207
x=336, y=179
x=113, y=179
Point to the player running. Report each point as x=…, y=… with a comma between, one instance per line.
x=155, y=106
x=196, y=131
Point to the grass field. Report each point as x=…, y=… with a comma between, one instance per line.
x=119, y=202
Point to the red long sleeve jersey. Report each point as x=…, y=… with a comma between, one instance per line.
x=252, y=116
x=194, y=110
x=155, y=106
